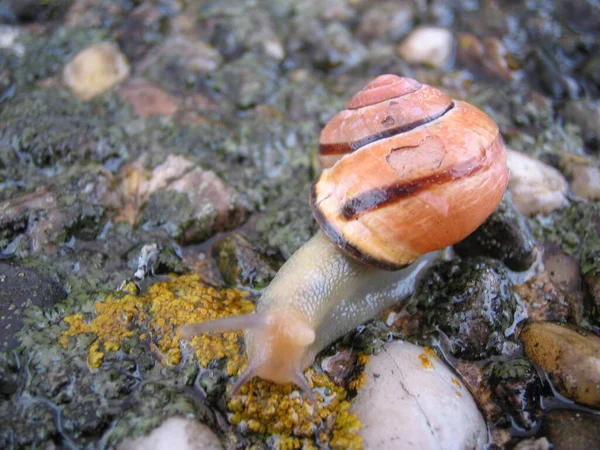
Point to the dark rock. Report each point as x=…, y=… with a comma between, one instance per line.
x=24, y=11
x=571, y=429
x=21, y=287
x=503, y=236
x=471, y=301
x=555, y=82
x=581, y=15
x=517, y=388
x=592, y=279
x=241, y=264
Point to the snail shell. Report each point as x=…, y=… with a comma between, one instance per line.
x=408, y=171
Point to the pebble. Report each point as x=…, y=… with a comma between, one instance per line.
x=431, y=46
x=148, y=98
x=536, y=188
x=516, y=386
x=412, y=400
x=471, y=301
x=570, y=356
x=147, y=197
x=176, y=433
x=9, y=39
x=504, y=236
x=533, y=444
x=572, y=429
x=95, y=70
x=196, y=56
x=488, y=54
x=584, y=175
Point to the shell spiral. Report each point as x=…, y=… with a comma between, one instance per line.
x=408, y=170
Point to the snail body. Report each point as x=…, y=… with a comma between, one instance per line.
x=408, y=171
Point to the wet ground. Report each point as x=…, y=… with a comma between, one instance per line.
x=172, y=185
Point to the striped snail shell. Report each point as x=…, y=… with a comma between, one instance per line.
x=408, y=170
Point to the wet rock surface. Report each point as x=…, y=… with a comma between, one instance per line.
x=470, y=301
x=504, y=235
x=571, y=358
x=572, y=429
x=23, y=288
x=199, y=118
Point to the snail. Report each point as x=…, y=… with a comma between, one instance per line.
x=407, y=171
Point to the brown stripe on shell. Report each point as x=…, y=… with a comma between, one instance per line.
x=349, y=147
x=381, y=197
x=342, y=243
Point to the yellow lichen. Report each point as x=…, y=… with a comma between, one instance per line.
x=159, y=313
x=425, y=361
x=280, y=410
x=260, y=406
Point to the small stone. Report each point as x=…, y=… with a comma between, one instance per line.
x=504, y=236
x=488, y=54
x=533, y=444
x=184, y=54
x=584, y=175
x=517, y=387
x=471, y=301
x=585, y=113
x=431, y=46
x=147, y=98
x=241, y=264
x=95, y=70
x=411, y=400
x=9, y=39
x=192, y=204
x=176, y=433
x=572, y=429
x=569, y=355
x=536, y=188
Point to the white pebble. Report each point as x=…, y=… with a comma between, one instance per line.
x=95, y=70
x=412, y=400
x=176, y=433
x=536, y=187
x=427, y=45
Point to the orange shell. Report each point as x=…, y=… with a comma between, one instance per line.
x=411, y=171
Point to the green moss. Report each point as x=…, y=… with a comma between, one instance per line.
x=576, y=230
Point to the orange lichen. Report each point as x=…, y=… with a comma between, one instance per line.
x=261, y=406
